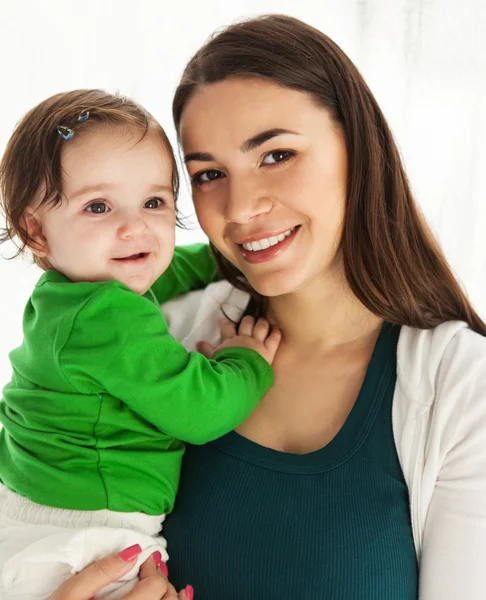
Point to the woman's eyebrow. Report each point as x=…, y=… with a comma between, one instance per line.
x=264, y=136
x=247, y=146
x=199, y=156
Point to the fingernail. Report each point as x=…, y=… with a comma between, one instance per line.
x=157, y=557
x=163, y=568
x=189, y=592
x=130, y=553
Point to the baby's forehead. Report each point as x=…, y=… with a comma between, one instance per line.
x=115, y=143
x=108, y=136
x=115, y=157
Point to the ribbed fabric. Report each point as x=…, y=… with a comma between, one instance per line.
x=252, y=522
x=21, y=509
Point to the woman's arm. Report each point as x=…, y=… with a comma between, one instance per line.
x=452, y=562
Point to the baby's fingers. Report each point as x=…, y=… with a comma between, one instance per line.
x=246, y=326
x=273, y=341
x=261, y=329
x=205, y=348
x=227, y=329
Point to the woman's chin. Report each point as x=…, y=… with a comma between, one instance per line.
x=275, y=284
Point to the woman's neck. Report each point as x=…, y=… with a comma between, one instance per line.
x=325, y=314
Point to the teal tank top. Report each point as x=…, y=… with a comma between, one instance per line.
x=253, y=522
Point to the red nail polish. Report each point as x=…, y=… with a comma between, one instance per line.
x=189, y=592
x=163, y=568
x=157, y=557
x=130, y=553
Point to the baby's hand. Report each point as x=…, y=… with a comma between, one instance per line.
x=257, y=336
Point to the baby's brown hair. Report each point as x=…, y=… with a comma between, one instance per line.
x=32, y=159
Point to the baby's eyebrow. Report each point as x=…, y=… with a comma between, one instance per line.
x=88, y=189
x=101, y=188
x=160, y=187
x=247, y=146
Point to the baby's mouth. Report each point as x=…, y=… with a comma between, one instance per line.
x=133, y=257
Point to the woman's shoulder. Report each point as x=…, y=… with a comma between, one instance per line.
x=441, y=374
x=451, y=348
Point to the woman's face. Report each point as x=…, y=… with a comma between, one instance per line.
x=268, y=169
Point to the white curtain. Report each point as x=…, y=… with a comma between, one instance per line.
x=425, y=60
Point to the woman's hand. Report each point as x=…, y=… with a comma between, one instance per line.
x=153, y=584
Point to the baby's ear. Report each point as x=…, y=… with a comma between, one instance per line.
x=36, y=240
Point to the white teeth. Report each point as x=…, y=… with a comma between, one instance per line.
x=265, y=243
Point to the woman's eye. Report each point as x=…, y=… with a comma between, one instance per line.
x=153, y=203
x=277, y=156
x=207, y=176
x=98, y=208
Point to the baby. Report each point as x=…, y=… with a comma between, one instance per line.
x=102, y=397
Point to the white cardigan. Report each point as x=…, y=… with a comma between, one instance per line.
x=439, y=424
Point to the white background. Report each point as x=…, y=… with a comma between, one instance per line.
x=425, y=60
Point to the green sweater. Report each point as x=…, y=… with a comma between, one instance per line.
x=102, y=397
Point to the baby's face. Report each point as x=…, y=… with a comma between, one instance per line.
x=117, y=217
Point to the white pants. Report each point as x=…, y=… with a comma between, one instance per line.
x=41, y=547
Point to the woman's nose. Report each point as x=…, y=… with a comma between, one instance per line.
x=244, y=203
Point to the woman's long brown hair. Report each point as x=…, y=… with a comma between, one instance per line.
x=392, y=261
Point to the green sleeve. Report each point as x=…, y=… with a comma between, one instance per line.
x=193, y=267
x=120, y=344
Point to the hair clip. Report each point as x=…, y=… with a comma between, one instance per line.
x=83, y=116
x=65, y=132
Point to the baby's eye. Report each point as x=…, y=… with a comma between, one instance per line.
x=207, y=176
x=153, y=203
x=98, y=208
x=277, y=156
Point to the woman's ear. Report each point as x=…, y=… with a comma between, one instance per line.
x=36, y=241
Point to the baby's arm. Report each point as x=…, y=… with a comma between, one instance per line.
x=120, y=344
x=192, y=267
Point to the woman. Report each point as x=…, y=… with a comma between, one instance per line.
x=362, y=473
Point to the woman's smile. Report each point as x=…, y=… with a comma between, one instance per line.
x=265, y=249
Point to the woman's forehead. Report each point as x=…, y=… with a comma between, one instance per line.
x=236, y=109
